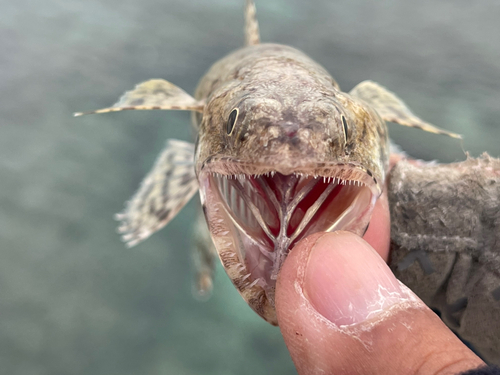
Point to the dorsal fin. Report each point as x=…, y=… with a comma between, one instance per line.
x=252, y=36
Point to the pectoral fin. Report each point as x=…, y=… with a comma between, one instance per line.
x=162, y=194
x=153, y=94
x=392, y=109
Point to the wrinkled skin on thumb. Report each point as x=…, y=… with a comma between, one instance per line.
x=342, y=311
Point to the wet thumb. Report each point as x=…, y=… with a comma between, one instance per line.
x=342, y=311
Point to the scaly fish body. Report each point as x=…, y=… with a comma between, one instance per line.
x=281, y=153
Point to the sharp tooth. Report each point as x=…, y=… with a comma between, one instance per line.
x=253, y=283
x=241, y=208
x=241, y=267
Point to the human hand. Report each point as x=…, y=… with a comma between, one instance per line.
x=342, y=311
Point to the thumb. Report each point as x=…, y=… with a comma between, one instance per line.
x=342, y=311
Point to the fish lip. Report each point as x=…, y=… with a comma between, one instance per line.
x=344, y=171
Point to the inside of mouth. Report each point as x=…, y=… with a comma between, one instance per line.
x=270, y=213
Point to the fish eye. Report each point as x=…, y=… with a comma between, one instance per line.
x=344, y=122
x=233, y=116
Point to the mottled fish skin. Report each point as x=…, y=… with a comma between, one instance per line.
x=445, y=243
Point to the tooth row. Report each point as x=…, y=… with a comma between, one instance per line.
x=271, y=174
x=335, y=180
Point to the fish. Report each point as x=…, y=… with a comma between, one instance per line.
x=281, y=152
x=445, y=225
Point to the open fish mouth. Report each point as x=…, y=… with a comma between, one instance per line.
x=255, y=219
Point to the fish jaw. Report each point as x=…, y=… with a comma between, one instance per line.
x=256, y=215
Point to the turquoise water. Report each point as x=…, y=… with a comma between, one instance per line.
x=73, y=299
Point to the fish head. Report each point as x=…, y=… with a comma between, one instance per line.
x=276, y=163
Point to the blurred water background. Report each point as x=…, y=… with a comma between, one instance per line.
x=73, y=299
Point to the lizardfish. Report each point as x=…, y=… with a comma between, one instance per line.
x=281, y=153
